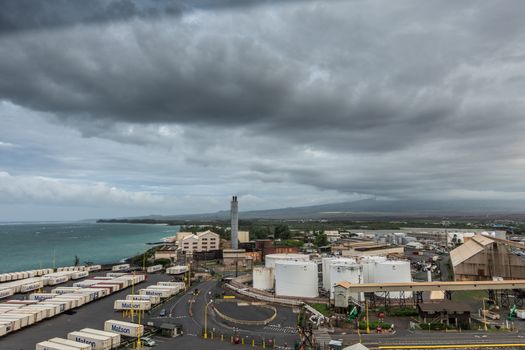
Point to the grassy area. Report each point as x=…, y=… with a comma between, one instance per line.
x=469, y=296
x=398, y=311
x=322, y=308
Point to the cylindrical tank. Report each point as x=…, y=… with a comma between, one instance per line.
x=325, y=262
x=393, y=271
x=296, y=278
x=344, y=270
x=263, y=278
x=369, y=264
x=270, y=259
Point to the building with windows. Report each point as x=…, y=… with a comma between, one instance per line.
x=199, y=242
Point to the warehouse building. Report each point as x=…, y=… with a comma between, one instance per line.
x=486, y=258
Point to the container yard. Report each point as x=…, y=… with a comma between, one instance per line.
x=18, y=314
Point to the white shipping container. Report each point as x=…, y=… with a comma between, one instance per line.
x=163, y=293
x=85, y=283
x=47, y=345
x=42, y=296
x=79, y=274
x=31, y=286
x=115, y=274
x=132, y=305
x=93, y=268
x=97, y=342
x=4, y=293
x=35, y=316
x=64, y=305
x=71, y=343
x=154, y=268
x=115, y=338
x=154, y=299
x=120, y=267
x=124, y=328
x=6, y=327
x=52, y=281
x=64, y=290
x=23, y=318
x=69, y=304
x=181, y=285
x=14, y=324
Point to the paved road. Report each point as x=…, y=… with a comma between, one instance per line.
x=432, y=338
x=188, y=310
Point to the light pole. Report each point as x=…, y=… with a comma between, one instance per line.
x=206, y=319
x=484, y=316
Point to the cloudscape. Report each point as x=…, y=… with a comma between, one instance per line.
x=121, y=107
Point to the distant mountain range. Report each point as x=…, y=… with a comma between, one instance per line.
x=371, y=208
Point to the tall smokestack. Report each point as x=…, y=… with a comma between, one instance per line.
x=234, y=213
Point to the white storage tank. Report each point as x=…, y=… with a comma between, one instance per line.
x=393, y=271
x=263, y=278
x=325, y=265
x=344, y=270
x=270, y=259
x=296, y=278
x=369, y=264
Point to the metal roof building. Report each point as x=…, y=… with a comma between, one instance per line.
x=485, y=258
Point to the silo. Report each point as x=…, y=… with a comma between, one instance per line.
x=344, y=270
x=263, y=278
x=270, y=259
x=296, y=278
x=393, y=271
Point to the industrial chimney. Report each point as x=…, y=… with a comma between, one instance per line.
x=234, y=213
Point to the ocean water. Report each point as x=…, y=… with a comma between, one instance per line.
x=31, y=246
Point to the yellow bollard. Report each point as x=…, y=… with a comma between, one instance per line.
x=242, y=341
x=222, y=337
x=264, y=344
x=231, y=340
x=253, y=343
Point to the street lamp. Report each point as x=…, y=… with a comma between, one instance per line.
x=206, y=319
x=484, y=316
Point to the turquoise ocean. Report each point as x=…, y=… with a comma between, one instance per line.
x=27, y=246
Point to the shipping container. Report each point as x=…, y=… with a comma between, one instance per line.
x=13, y=324
x=79, y=274
x=115, y=274
x=154, y=299
x=93, y=268
x=4, y=293
x=154, y=268
x=64, y=290
x=42, y=296
x=71, y=343
x=121, y=267
x=97, y=342
x=47, y=345
x=163, y=293
x=115, y=338
x=52, y=281
x=132, y=305
x=85, y=283
x=23, y=318
x=63, y=304
x=5, y=327
x=124, y=328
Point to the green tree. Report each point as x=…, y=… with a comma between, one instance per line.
x=320, y=240
x=282, y=232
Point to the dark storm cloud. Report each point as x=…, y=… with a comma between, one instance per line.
x=22, y=15
x=371, y=97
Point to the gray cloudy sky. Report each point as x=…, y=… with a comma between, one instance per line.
x=121, y=107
